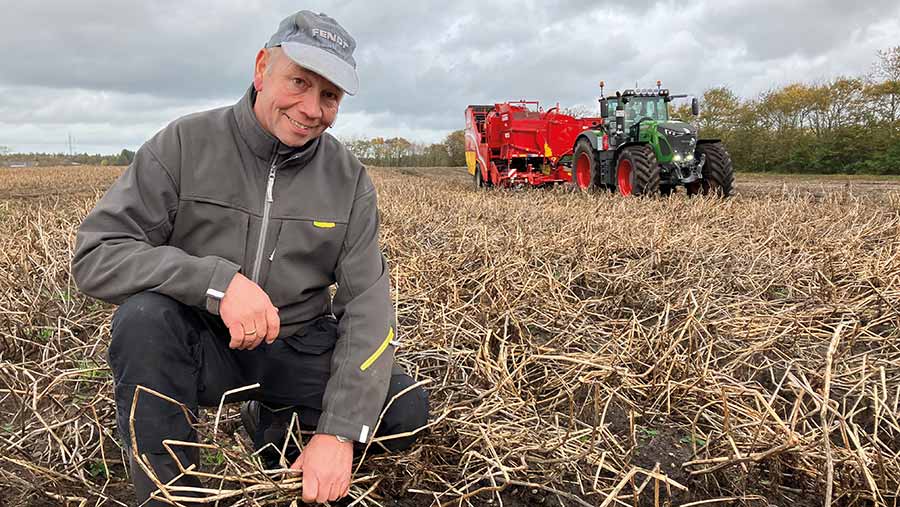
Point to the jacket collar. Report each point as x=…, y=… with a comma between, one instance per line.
x=263, y=144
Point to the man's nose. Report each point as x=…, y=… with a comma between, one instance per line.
x=311, y=105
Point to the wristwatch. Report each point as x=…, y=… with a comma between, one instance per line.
x=213, y=300
x=341, y=439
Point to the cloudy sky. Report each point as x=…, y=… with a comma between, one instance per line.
x=111, y=73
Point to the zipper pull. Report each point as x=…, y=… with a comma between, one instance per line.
x=270, y=185
x=271, y=257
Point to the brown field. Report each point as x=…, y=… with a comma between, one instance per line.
x=578, y=349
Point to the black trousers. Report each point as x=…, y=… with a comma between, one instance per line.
x=182, y=352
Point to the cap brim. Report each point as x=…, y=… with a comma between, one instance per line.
x=325, y=64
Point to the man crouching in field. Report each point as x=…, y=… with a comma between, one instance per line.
x=220, y=243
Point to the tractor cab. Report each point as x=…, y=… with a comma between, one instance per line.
x=638, y=108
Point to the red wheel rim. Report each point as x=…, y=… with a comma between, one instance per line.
x=624, y=177
x=583, y=171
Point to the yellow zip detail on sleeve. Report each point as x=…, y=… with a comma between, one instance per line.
x=378, y=352
x=323, y=225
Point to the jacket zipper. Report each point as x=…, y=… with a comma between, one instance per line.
x=267, y=208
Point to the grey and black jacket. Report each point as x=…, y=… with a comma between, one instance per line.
x=213, y=194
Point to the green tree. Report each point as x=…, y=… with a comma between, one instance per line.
x=884, y=85
x=398, y=150
x=719, y=108
x=436, y=155
x=125, y=157
x=456, y=148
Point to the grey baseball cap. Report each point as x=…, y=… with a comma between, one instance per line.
x=318, y=43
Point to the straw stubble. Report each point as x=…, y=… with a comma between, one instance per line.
x=577, y=349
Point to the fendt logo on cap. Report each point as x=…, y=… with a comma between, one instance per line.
x=337, y=39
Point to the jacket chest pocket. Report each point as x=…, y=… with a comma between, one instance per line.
x=303, y=259
x=205, y=228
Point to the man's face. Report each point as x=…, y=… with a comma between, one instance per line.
x=294, y=104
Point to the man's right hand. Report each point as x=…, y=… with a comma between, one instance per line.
x=249, y=314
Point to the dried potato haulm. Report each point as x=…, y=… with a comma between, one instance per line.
x=586, y=348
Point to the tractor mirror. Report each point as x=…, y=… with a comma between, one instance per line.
x=604, y=108
x=695, y=106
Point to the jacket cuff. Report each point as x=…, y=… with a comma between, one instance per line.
x=221, y=277
x=332, y=424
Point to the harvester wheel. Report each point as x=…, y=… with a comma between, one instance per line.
x=637, y=172
x=479, y=178
x=585, y=167
x=718, y=172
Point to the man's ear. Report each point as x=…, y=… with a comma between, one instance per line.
x=262, y=62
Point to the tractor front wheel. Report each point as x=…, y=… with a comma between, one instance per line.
x=637, y=172
x=585, y=167
x=718, y=172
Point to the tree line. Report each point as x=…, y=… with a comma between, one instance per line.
x=56, y=159
x=846, y=125
x=401, y=152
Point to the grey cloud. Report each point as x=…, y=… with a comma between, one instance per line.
x=770, y=29
x=163, y=48
x=60, y=106
x=124, y=66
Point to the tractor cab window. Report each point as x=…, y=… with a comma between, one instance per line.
x=612, y=104
x=639, y=107
x=646, y=107
x=634, y=109
x=657, y=109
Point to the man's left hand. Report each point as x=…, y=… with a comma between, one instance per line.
x=326, y=465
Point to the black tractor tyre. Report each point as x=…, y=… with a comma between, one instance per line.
x=585, y=152
x=644, y=171
x=718, y=172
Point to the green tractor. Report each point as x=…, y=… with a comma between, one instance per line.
x=640, y=150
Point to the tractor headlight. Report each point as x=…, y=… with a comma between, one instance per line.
x=689, y=157
x=677, y=157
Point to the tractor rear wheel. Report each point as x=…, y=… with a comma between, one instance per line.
x=585, y=167
x=637, y=172
x=718, y=172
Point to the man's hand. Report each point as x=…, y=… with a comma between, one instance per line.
x=249, y=314
x=326, y=465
